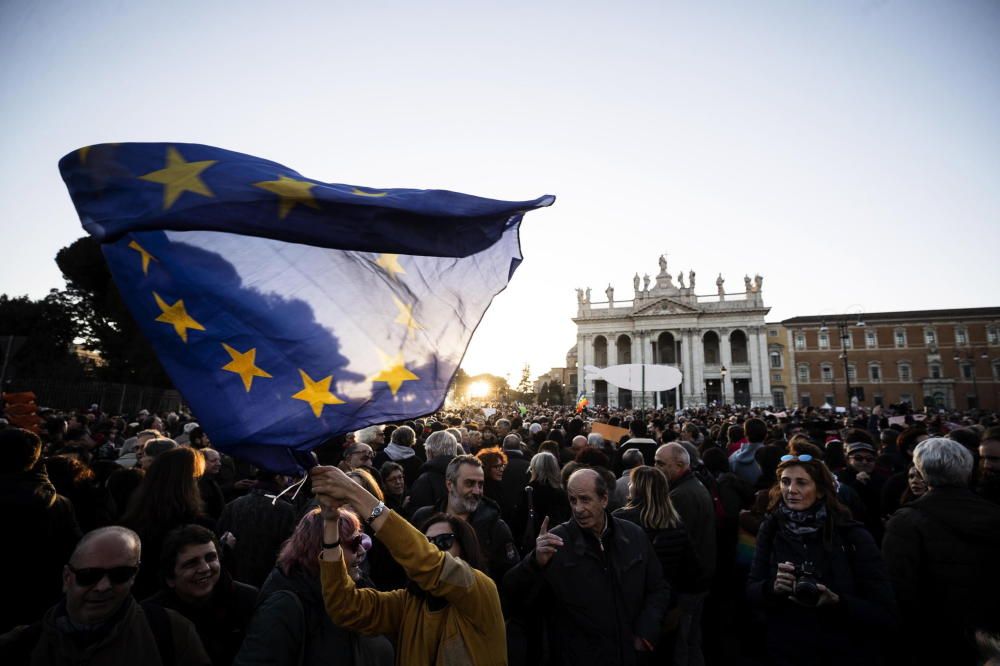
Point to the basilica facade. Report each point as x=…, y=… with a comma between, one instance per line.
x=718, y=340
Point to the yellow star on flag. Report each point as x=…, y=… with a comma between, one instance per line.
x=177, y=316
x=316, y=393
x=291, y=192
x=83, y=152
x=244, y=364
x=362, y=193
x=390, y=264
x=179, y=177
x=146, y=256
x=405, y=316
x=393, y=373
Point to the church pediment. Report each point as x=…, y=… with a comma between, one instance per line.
x=665, y=306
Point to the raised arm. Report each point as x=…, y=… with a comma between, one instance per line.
x=438, y=573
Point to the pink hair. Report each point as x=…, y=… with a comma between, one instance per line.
x=301, y=550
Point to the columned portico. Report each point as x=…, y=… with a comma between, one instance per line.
x=663, y=313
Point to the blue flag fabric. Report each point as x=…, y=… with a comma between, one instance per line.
x=288, y=312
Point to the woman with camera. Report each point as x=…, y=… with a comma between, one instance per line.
x=817, y=574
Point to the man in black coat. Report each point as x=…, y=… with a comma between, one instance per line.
x=429, y=488
x=515, y=476
x=942, y=552
x=597, y=580
x=400, y=451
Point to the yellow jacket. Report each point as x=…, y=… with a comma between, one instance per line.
x=469, y=630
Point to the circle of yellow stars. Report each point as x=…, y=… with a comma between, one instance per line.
x=180, y=176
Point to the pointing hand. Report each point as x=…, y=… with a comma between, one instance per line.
x=546, y=544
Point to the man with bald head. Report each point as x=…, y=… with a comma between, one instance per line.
x=595, y=579
x=98, y=622
x=697, y=509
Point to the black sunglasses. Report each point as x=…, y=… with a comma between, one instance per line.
x=443, y=541
x=94, y=575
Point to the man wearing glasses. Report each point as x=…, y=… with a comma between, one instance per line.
x=98, y=622
x=862, y=476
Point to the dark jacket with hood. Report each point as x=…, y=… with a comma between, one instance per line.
x=849, y=632
x=42, y=532
x=743, y=463
x=429, y=488
x=494, y=535
x=942, y=552
x=596, y=597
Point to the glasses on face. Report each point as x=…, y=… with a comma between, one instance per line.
x=500, y=466
x=862, y=458
x=443, y=541
x=805, y=457
x=93, y=575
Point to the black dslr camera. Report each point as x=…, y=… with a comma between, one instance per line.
x=806, y=591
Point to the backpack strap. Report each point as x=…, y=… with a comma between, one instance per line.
x=159, y=623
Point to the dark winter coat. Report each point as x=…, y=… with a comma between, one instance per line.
x=222, y=622
x=411, y=466
x=515, y=478
x=697, y=509
x=942, y=552
x=41, y=532
x=548, y=501
x=596, y=597
x=260, y=526
x=849, y=632
x=290, y=626
x=673, y=547
x=494, y=534
x=429, y=488
x=128, y=638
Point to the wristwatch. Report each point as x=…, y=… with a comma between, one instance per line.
x=376, y=512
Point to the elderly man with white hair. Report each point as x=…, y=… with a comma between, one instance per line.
x=943, y=555
x=429, y=489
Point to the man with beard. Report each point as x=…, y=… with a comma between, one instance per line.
x=464, y=479
x=988, y=485
x=595, y=579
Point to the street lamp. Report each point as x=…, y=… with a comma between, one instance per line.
x=971, y=357
x=844, y=331
x=723, y=372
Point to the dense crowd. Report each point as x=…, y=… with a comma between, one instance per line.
x=509, y=534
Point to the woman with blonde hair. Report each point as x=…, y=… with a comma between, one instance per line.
x=650, y=508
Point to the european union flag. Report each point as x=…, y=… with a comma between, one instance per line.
x=287, y=310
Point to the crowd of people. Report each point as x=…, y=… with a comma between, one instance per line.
x=510, y=534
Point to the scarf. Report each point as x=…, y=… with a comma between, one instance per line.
x=799, y=523
x=396, y=452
